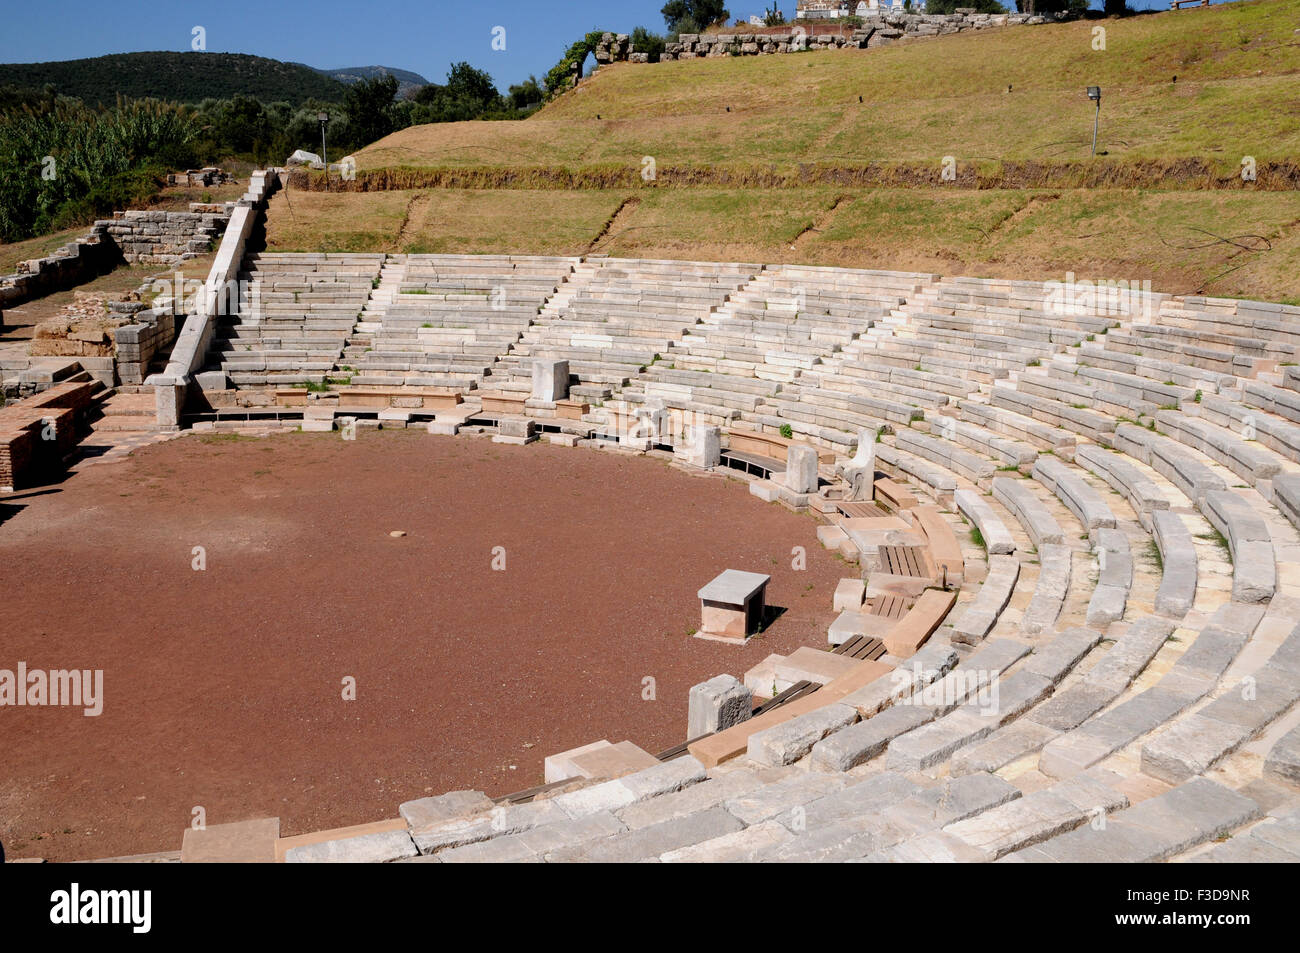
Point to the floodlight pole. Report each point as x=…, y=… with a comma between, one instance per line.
x=1094, y=93
x=323, y=118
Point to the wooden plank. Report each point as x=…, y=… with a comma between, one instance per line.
x=861, y=510
x=757, y=461
x=890, y=607
x=847, y=648
x=526, y=795
x=676, y=751
x=789, y=695
x=869, y=649
x=913, y=563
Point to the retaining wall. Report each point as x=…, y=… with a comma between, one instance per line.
x=878, y=30
x=171, y=387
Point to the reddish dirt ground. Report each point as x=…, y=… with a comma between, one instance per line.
x=223, y=688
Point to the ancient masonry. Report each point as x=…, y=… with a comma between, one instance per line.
x=166, y=237
x=131, y=236
x=73, y=264
x=873, y=32
x=1070, y=512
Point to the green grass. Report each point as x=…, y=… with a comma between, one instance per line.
x=1154, y=554
x=1214, y=536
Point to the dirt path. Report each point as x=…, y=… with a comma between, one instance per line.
x=223, y=687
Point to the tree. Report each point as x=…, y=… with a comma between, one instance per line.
x=684, y=15
x=369, y=105
x=472, y=85
x=948, y=6
x=643, y=41
x=526, y=94
x=240, y=124
x=774, y=17
x=1075, y=7
x=469, y=93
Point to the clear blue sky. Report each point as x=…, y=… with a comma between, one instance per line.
x=425, y=37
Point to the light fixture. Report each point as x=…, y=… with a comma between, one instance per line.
x=323, y=118
x=1094, y=93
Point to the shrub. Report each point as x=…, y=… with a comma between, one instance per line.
x=688, y=16
x=102, y=160
x=643, y=41
x=981, y=6
x=560, y=76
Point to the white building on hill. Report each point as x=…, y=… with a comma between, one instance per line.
x=821, y=9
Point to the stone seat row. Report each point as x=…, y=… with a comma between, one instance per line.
x=1068, y=389
x=984, y=327
x=1191, y=677
x=1150, y=368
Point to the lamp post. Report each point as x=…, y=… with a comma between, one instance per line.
x=1094, y=93
x=323, y=118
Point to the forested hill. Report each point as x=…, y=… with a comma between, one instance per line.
x=179, y=77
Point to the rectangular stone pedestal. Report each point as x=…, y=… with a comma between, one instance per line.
x=732, y=606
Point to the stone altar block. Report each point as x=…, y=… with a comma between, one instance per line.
x=801, y=469
x=732, y=606
x=716, y=705
x=701, y=448
x=550, y=380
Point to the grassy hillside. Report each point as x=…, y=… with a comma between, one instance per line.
x=799, y=170
x=1234, y=244
x=177, y=77
x=1013, y=94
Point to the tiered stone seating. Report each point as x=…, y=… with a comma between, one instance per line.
x=1123, y=477
x=1192, y=676
x=1195, y=813
x=788, y=318
x=1248, y=461
x=1198, y=742
x=443, y=320
x=617, y=317
x=1008, y=712
x=1066, y=416
x=296, y=313
x=1108, y=357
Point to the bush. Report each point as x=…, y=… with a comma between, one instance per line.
x=1076, y=7
x=560, y=76
x=101, y=160
x=981, y=6
x=689, y=16
x=643, y=41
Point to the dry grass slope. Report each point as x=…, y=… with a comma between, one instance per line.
x=1236, y=93
x=800, y=171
